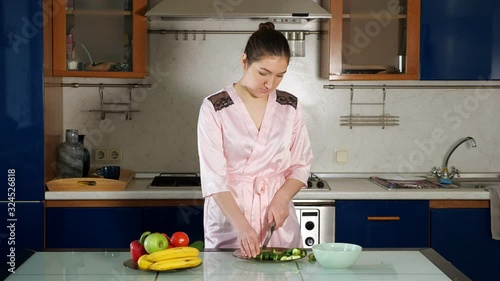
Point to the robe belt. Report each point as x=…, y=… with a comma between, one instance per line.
x=253, y=198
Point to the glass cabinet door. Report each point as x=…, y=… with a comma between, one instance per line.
x=100, y=38
x=374, y=39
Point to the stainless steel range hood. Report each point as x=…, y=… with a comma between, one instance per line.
x=237, y=9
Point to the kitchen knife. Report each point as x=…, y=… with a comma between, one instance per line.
x=268, y=237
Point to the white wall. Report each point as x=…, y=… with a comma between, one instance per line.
x=162, y=137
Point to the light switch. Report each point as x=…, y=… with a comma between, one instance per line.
x=341, y=156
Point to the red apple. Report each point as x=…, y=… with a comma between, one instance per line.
x=155, y=242
x=168, y=238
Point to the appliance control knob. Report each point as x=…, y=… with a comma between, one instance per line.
x=309, y=241
x=309, y=225
x=320, y=184
x=309, y=184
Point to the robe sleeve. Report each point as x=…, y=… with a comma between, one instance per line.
x=210, y=151
x=300, y=150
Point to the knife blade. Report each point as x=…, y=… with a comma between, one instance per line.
x=268, y=237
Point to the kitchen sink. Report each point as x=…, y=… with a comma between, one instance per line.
x=475, y=182
x=466, y=182
x=472, y=182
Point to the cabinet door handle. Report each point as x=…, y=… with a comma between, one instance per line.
x=383, y=218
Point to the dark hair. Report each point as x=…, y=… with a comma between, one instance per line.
x=266, y=41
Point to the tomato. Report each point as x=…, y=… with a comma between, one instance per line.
x=179, y=239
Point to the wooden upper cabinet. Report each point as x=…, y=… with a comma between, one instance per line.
x=95, y=38
x=372, y=40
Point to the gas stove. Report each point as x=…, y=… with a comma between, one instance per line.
x=192, y=179
x=316, y=183
x=175, y=180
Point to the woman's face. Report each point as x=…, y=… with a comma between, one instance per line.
x=263, y=76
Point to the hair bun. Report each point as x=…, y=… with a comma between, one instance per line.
x=265, y=25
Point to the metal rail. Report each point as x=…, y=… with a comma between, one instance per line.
x=185, y=33
x=415, y=86
x=125, y=107
x=103, y=85
x=177, y=31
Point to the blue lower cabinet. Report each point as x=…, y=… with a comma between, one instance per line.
x=463, y=237
x=188, y=219
x=383, y=223
x=93, y=227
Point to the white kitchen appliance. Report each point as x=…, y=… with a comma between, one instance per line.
x=317, y=221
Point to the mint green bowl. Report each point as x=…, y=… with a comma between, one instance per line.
x=336, y=255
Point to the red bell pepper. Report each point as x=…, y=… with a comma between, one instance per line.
x=137, y=247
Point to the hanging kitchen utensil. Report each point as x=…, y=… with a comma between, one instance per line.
x=383, y=120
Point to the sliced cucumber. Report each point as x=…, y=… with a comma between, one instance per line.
x=296, y=252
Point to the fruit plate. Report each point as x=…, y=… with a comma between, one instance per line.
x=131, y=264
x=237, y=254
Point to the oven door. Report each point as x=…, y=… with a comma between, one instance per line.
x=317, y=221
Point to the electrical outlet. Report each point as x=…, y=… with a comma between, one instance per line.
x=115, y=155
x=341, y=156
x=100, y=155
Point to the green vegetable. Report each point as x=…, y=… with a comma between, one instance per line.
x=303, y=253
x=296, y=252
x=278, y=255
x=198, y=245
x=312, y=258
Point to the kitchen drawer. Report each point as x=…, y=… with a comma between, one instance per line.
x=170, y=219
x=92, y=227
x=383, y=223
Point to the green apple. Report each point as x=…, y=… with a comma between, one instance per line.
x=155, y=242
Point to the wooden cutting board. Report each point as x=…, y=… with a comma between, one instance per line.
x=91, y=183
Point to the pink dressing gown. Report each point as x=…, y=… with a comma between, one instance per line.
x=252, y=164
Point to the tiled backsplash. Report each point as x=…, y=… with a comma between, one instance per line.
x=162, y=137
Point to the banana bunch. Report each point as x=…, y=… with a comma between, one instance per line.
x=170, y=259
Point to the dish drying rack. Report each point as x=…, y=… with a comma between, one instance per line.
x=383, y=120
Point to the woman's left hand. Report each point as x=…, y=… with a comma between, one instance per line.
x=278, y=211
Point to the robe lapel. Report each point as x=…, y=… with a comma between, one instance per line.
x=245, y=116
x=263, y=134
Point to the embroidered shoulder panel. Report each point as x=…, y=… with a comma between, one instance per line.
x=221, y=100
x=285, y=98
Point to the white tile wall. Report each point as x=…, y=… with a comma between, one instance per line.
x=162, y=137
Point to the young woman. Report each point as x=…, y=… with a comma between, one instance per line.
x=255, y=153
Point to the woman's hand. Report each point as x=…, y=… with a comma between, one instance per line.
x=278, y=210
x=249, y=241
x=246, y=235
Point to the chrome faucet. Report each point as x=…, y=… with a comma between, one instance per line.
x=443, y=174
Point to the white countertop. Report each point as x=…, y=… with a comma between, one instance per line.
x=402, y=265
x=341, y=188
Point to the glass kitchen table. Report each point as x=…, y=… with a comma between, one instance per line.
x=391, y=264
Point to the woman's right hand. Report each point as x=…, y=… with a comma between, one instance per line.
x=249, y=242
